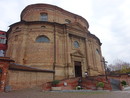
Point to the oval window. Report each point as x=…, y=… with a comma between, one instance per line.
x=67, y=21
x=76, y=44
x=42, y=38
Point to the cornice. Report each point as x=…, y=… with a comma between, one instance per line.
x=95, y=37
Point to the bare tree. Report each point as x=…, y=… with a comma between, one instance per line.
x=120, y=66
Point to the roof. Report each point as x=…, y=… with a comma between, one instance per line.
x=14, y=66
x=40, y=5
x=2, y=31
x=6, y=59
x=95, y=37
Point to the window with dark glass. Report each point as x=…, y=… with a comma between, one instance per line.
x=97, y=51
x=76, y=44
x=44, y=17
x=42, y=38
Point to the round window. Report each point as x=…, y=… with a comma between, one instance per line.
x=76, y=44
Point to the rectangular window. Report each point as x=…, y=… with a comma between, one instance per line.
x=44, y=17
x=2, y=41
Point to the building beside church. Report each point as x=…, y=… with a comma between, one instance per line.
x=49, y=37
x=3, y=45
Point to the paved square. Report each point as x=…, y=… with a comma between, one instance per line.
x=37, y=93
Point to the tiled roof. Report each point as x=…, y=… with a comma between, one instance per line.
x=14, y=66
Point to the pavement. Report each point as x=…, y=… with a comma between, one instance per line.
x=38, y=93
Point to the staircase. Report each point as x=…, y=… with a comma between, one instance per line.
x=88, y=83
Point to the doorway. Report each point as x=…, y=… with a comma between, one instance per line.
x=78, y=69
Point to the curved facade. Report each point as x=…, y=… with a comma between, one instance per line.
x=49, y=37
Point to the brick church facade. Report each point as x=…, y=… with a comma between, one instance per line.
x=48, y=37
x=54, y=41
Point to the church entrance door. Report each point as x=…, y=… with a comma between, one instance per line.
x=78, y=69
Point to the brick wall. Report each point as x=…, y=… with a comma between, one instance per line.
x=121, y=77
x=26, y=79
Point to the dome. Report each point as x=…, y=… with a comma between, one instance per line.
x=51, y=13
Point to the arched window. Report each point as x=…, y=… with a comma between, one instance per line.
x=76, y=44
x=97, y=51
x=42, y=38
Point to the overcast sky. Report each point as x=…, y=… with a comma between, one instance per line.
x=109, y=20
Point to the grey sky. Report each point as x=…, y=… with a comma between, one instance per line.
x=108, y=19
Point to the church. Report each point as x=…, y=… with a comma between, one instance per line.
x=51, y=39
